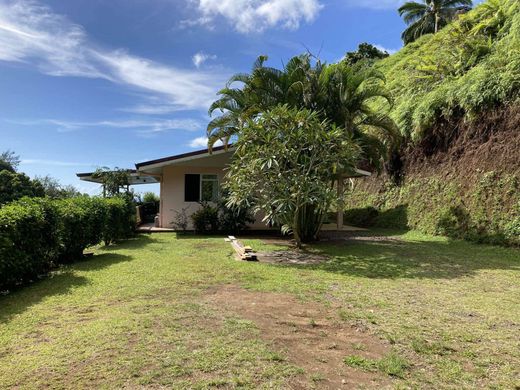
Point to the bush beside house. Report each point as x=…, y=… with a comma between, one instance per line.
x=38, y=234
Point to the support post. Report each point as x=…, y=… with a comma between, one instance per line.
x=339, y=215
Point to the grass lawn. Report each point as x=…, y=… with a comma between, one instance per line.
x=401, y=310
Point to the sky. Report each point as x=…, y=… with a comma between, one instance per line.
x=92, y=83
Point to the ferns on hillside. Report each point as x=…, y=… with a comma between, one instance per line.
x=469, y=66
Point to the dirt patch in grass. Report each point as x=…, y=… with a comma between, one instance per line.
x=297, y=257
x=306, y=334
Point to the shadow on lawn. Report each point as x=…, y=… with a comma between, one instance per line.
x=58, y=282
x=137, y=242
x=389, y=259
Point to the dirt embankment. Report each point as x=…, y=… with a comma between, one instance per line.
x=464, y=148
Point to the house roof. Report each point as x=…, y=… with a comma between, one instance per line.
x=188, y=159
x=134, y=177
x=146, y=172
x=184, y=156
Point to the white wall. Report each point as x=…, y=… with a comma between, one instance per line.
x=172, y=193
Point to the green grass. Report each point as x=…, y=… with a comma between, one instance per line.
x=391, y=364
x=132, y=315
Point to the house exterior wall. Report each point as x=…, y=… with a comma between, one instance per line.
x=172, y=194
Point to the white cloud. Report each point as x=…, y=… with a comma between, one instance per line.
x=389, y=51
x=34, y=35
x=248, y=16
x=202, y=142
x=141, y=126
x=201, y=57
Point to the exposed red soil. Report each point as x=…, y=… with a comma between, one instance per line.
x=309, y=334
x=489, y=142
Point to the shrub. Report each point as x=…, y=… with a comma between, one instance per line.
x=233, y=219
x=119, y=219
x=82, y=223
x=484, y=210
x=37, y=234
x=362, y=217
x=150, y=197
x=205, y=220
x=29, y=240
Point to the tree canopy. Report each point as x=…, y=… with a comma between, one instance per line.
x=284, y=166
x=429, y=16
x=9, y=160
x=339, y=93
x=365, y=52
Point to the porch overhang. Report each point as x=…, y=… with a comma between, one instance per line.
x=134, y=178
x=220, y=156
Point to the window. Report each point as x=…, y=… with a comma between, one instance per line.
x=209, y=188
x=200, y=188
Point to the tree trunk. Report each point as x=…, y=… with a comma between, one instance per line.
x=297, y=228
x=307, y=223
x=437, y=20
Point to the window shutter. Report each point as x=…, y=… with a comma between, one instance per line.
x=191, y=188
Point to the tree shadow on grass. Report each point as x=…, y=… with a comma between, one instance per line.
x=393, y=258
x=137, y=242
x=58, y=282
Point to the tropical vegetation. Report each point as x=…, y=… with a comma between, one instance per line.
x=338, y=93
x=454, y=91
x=39, y=234
x=335, y=98
x=284, y=166
x=429, y=16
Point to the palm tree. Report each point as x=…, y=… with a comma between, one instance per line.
x=339, y=93
x=429, y=16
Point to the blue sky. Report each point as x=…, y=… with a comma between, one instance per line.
x=90, y=83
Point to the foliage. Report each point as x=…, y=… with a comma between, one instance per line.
x=429, y=16
x=37, y=234
x=221, y=217
x=150, y=197
x=55, y=190
x=180, y=221
x=470, y=66
x=113, y=180
x=119, y=218
x=14, y=185
x=339, y=93
x=284, y=166
x=205, y=220
x=486, y=211
x=82, y=222
x=362, y=217
x=9, y=161
x=366, y=53
x=29, y=241
x=233, y=219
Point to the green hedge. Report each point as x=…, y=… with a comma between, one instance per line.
x=37, y=234
x=485, y=211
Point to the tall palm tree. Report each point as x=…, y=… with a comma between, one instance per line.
x=429, y=16
x=339, y=93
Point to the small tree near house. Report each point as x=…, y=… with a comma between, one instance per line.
x=285, y=165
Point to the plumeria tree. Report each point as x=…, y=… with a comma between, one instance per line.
x=285, y=165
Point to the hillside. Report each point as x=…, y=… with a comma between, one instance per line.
x=457, y=104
